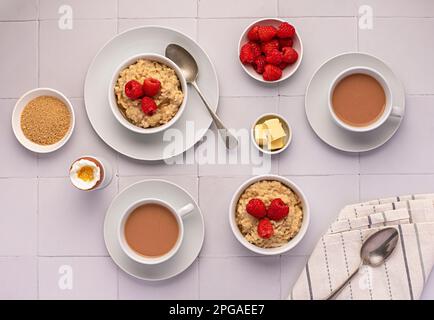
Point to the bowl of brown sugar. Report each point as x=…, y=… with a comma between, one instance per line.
x=43, y=120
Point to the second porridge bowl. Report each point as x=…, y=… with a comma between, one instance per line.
x=171, y=98
x=287, y=231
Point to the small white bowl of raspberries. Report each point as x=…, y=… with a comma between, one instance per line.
x=270, y=50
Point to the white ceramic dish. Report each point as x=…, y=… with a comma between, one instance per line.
x=179, y=214
x=390, y=109
x=289, y=70
x=112, y=97
x=285, y=126
x=16, y=120
x=194, y=229
x=147, y=146
x=269, y=251
x=320, y=119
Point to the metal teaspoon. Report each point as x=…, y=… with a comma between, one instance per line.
x=188, y=66
x=375, y=250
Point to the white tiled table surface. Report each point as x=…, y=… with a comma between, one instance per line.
x=45, y=223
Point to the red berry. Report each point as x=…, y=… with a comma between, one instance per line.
x=133, y=89
x=256, y=208
x=149, y=106
x=283, y=65
x=259, y=64
x=256, y=49
x=270, y=45
x=252, y=35
x=289, y=55
x=265, y=229
x=285, y=30
x=288, y=42
x=266, y=33
x=274, y=57
x=151, y=87
x=246, y=54
x=277, y=209
x=271, y=73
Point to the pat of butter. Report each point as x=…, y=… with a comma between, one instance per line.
x=276, y=144
x=275, y=128
x=261, y=134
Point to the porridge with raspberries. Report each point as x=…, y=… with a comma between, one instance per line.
x=269, y=214
x=153, y=105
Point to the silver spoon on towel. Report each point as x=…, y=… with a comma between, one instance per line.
x=375, y=250
x=189, y=69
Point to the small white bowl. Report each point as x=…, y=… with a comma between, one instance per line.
x=269, y=251
x=289, y=70
x=286, y=127
x=16, y=120
x=113, y=101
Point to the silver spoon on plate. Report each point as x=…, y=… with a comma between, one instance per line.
x=188, y=66
x=375, y=250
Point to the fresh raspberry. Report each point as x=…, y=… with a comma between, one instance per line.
x=253, y=35
x=289, y=55
x=283, y=65
x=151, y=87
x=259, y=64
x=274, y=57
x=271, y=73
x=277, y=209
x=285, y=30
x=269, y=45
x=149, y=106
x=246, y=54
x=256, y=208
x=256, y=49
x=266, y=33
x=133, y=89
x=288, y=42
x=265, y=229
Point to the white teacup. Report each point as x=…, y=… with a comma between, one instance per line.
x=389, y=111
x=179, y=214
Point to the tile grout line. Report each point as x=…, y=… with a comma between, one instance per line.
x=199, y=255
x=357, y=34
x=281, y=278
x=243, y=175
x=198, y=277
x=420, y=94
x=117, y=175
x=37, y=236
x=221, y=18
x=117, y=16
x=38, y=55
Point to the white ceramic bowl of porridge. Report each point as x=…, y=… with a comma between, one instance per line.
x=302, y=228
x=168, y=100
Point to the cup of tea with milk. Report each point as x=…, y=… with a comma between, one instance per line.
x=360, y=100
x=151, y=230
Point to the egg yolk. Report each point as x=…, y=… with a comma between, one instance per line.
x=85, y=173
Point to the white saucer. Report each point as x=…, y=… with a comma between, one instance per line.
x=149, y=39
x=194, y=229
x=320, y=118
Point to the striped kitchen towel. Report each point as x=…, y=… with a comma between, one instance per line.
x=337, y=253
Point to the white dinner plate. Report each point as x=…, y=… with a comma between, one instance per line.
x=149, y=39
x=319, y=115
x=194, y=229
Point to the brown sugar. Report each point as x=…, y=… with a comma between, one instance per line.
x=45, y=120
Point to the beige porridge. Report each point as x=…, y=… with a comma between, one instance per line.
x=285, y=229
x=168, y=100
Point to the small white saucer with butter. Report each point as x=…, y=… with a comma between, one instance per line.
x=271, y=133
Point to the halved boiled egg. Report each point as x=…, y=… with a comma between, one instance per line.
x=84, y=174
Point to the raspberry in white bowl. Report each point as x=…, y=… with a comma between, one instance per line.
x=270, y=50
